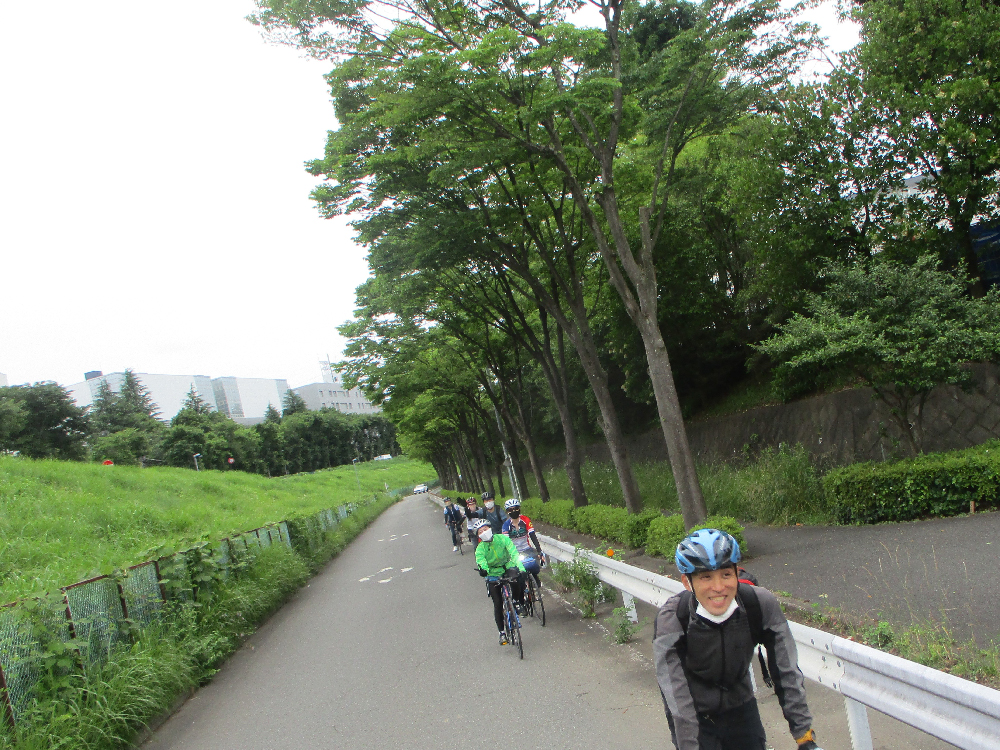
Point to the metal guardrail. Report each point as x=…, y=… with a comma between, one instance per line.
x=945, y=706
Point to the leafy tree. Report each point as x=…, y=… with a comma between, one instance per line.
x=930, y=69
x=12, y=420
x=902, y=330
x=123, y=446
x=606, y=117
x=42, y=421
x=272, y=414
x=293, y=403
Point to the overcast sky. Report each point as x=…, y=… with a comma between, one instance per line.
x=154, y=210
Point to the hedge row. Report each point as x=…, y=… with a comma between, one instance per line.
x=666, y=532
x=935, y=484
x=659, y=534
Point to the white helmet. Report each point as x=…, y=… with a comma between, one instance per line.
x=512, y=503
x=478, y=524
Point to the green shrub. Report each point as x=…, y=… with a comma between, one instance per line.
x=558, y=513
x=601, y=521
x=635, y=529
x=666, y=532
x=936, y=484
x=532, y=508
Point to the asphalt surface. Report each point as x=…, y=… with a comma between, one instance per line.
x=942, y=570
x=393, y=645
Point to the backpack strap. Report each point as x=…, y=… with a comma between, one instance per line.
x=755, y=619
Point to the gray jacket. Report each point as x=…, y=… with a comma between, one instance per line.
x=705, y=671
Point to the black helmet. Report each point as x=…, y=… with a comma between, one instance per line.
x=706, y=549
x=487, y=496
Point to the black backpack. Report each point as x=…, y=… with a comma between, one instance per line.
x=755, y=618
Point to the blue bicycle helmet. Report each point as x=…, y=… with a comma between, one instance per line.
x=706, y=549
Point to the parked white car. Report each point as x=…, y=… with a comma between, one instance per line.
x=419, y=488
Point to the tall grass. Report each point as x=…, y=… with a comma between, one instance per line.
x=63, y=521
x=105, y=706
x=777, y=487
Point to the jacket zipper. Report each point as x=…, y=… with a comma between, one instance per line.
x=722, y=673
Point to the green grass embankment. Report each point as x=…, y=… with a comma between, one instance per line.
x=61, y=522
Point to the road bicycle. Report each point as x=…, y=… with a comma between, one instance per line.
x=458, y=538
x=512, y=622
x=533, y=598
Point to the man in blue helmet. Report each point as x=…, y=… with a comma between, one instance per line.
x=703, y=644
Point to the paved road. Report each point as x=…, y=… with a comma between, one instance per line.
x=393, y=646
x=941, y=570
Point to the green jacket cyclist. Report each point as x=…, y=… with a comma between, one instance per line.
x=495, y=555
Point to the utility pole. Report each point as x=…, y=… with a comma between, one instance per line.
x=509, y=464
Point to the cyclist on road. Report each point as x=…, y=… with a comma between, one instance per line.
x=471, y=514
x=703, y=644
x=453, y=517
x=492, y=513
x=495, y=556
x=522, y=533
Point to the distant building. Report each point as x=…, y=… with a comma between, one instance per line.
x=245, y=400
x=3, y=380
x=331, y=394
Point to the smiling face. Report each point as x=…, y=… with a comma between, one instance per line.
x=714, y=589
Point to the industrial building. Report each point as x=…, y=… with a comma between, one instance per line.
x=331, y=394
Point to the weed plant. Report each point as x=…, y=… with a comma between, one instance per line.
x=580, y=575
x=623, y=630
x=776, y=487
x=63, y=521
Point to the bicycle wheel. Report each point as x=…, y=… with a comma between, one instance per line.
x=513, y=624
x=461, y=545
x=537, y=605
x=517, y=641
x=509, y=618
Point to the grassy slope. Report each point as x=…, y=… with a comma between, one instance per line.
x=61, y=522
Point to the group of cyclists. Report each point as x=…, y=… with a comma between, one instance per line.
x=703, y=639
x=503, y=543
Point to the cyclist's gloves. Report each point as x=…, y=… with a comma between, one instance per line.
x=808, y=741
x=481, y=572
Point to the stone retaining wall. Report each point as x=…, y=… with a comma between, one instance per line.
x=838, y=428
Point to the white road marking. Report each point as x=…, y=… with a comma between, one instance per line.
x=406, y=570
x=381, y=540
x=384, y=569
x=408, y=535
x=386, y=580
x=366, y=578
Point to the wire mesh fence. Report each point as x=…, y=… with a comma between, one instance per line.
x=94, y=608
x=97, y=615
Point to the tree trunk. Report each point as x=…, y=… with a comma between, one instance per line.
x=692, y=502
x=573, y=455
x=580, y=335
x=529, y=443
x=611, y=427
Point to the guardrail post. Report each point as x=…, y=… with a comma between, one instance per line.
x=629, y=603
x=857, y=723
